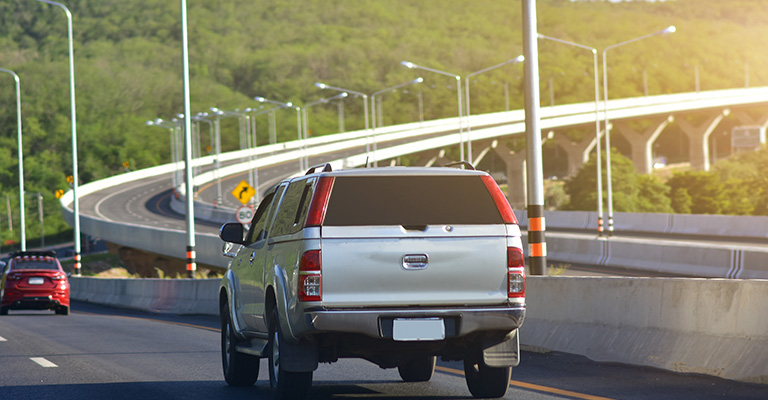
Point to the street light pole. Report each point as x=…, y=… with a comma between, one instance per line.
x=21, y=159
x=597, y=128
x=76, y=201
x=537, y=245
x=172, y=128
x=411, y=65
x=669, y=29
x=306, y=122
x=373, y=106
x=188, y=177
x=365, y=108
x=515, y=60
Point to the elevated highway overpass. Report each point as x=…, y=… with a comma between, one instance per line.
x=134, y=210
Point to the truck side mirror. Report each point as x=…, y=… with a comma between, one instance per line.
x=232, y=232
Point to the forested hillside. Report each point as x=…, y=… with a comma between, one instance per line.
x=128, y=67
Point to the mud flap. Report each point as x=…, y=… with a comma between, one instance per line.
x=504, y=354
x=299, y=357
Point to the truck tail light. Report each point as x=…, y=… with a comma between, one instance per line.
x=310, y=276
x=319, y=204
x=515, y=273
x=501, y=201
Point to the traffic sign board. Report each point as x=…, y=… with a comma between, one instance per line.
x=243, y=192
x=244, y=215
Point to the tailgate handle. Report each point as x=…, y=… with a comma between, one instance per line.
x=415, y=261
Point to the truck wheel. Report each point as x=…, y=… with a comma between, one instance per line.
x=3, y=310
x=287, y=385
x=486, y=382
x=239, y=369
x=419, y=369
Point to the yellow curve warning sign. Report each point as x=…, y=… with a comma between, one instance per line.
x=243, y=192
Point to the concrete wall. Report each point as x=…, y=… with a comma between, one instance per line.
x=710, y=326
x=174, y=296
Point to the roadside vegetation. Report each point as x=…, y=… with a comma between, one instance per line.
x=128, y=63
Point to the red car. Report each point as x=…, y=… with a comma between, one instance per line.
x=34, y=280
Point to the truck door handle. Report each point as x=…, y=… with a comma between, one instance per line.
x=253, y=256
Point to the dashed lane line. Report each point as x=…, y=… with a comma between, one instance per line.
x=43, y=362
x=2, y=339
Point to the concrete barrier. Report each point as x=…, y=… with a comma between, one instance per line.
x=174, y=296
x=710, y=326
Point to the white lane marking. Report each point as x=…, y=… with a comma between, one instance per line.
x=2, y=339
x=43, y=362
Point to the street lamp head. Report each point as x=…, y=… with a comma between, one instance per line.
x=342, y=95
x=289, y=104
x=418, y=80
x=670, y=29
x=520, y=58
x=149, y=123
x=321, y=85
x=215, y=110
x=180, y=116
x=408, y=64
x=260, y=99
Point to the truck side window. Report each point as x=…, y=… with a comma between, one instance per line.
x=259, y=218
x=277, y=201
x=286, y=215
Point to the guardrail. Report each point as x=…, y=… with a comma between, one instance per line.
x=710, y=326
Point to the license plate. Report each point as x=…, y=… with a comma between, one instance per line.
x=418, y=329
x=36, y=281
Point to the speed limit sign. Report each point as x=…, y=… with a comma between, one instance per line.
x=244, y=215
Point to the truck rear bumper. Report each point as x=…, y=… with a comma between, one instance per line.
x=378, y=323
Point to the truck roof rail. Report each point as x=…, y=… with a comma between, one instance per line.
x=326, y=168
x=467, y=164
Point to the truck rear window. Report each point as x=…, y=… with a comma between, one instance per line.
x=410, y=200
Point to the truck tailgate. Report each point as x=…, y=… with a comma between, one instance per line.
x=391, y=266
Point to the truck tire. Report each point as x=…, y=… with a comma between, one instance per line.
x=287, y=385
x=3, y=310
x=486, y=382
x=419, y=369
x=239, y=369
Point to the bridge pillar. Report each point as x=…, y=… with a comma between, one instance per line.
x=698, y=139
x=432, y=158
x=642, y=142
x=480, y=151
x=746, y=119
x=577, y=152
x=516, y=175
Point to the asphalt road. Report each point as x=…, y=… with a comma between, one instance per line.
x=105, y=353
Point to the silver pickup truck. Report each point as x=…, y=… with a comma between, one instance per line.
x=394, y=265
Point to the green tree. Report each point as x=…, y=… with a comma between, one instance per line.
x=705, y=190
x=632, y=192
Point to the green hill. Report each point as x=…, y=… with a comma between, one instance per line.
x=128, y=66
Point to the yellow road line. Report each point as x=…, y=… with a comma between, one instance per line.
x=538, y=388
